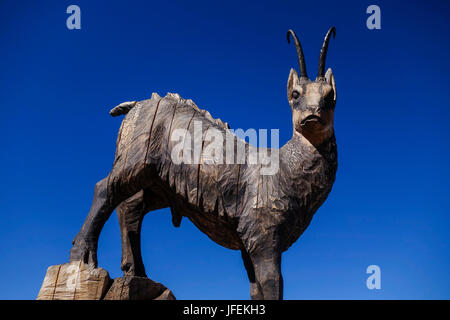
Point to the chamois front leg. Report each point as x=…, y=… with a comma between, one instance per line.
x=255, y=289
x=267, y=267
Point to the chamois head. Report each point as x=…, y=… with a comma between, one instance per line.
x=312, y=102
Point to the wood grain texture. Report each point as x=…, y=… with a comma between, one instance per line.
x=74, y=281
x=79, y=281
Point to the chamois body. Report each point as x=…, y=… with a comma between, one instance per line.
x=215, y=196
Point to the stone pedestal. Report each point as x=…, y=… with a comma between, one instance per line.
x=79, y=281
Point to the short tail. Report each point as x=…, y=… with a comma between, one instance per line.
x=122, y=108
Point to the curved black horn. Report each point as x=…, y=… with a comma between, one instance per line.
x=301, y=58
x=323, y=52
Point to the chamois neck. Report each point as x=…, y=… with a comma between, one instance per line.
x=299, y=144
x=307, y=174
x=299, y=159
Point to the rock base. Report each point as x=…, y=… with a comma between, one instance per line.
x=79, y=281
x=74, y=281
x=138, y=288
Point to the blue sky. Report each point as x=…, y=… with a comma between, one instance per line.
x=389, y=205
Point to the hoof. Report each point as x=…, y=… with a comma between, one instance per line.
x=83, y=252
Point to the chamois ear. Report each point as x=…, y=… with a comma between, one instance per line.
x=329, y=77
x=292, y=82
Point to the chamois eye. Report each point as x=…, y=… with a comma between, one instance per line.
x=295, y=94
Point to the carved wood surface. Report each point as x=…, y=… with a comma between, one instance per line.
x=235, y=203
x=223, y=200
x=74, y=281
x=79, y=281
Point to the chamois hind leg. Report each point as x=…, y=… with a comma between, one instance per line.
x=109, y=193
x=131, y=212
x=85, y=243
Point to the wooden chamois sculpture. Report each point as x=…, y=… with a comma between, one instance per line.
x=233, y=203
